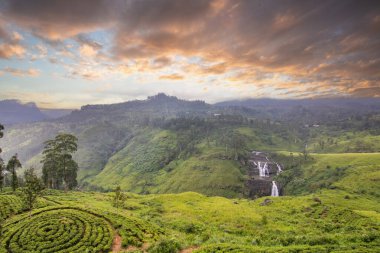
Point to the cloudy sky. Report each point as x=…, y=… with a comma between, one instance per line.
x=63, y=53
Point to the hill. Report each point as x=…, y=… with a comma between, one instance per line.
x=317, y=111
x=184, y=158
x=55, y=113
x=13, y=111
x=167, y=145
x=321, y=222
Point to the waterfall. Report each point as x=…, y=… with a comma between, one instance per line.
x=263, y=170
x=279, y=169
x=266, y=171
x=260, y=169
x=274, y=192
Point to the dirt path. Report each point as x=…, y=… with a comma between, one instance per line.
x=116, y=246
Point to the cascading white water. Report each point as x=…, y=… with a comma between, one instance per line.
x=274, y=192
x=279, y=169
x=266, y=171
x=263, y=170
x=260, y=169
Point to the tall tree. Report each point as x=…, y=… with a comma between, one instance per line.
x=1, y=162
x=66, y=145
x=12, y=166
x=59, y=167
x=50, y=166
x=119, y=198
x=2, y=174
x=32, y=189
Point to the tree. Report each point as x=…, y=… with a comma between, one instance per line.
x=305, y=152
x=58, y=164
x=12, y=166
x=2, y=172
x=1, y=162
x=50, y=168
x=119, y=198
x=66, y=145
x=32, y=189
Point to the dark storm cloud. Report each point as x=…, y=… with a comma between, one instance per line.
x=322, y=43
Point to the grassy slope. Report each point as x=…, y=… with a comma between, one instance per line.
x=341, y=219
x=352, y=172
x=343, y=141
x=211, y=223
x=362, y=174
x=150, y=163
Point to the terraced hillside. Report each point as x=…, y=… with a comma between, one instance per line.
x=75, y=221
x=336, y=215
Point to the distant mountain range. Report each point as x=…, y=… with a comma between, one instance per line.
x=351, y=103
x=13, y=112
x=320, y=110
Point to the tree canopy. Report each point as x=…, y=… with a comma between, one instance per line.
x=32, y=188
x=1, y=161
x=59, y=169
x=12, y=166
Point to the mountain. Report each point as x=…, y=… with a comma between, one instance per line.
x=55, y=113
x=102, y=130
x=306, y=110
x=13, y=112
x=168, y=145
x=352, y=103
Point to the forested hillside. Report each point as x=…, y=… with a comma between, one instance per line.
x=167, y=145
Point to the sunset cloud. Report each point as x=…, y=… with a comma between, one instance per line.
x=7, y=51
x=297, y=48
x=21, y=72
x=171, y=77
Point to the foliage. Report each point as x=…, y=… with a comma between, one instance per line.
x=214, y=224
x=32, y=188
x=58, y=164
x=165, y=246
x=58, y=229
x=1, y=161
x=12, y=165
x=330, y=171
x=119, y=198
x=9, y=204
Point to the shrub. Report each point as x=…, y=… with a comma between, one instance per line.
x=165, y=246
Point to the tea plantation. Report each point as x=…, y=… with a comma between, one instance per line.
x=338, y=216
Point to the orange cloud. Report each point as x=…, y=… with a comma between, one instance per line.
x=21, y=72
x=171, y=77
x=87, y=51
x=8, y=51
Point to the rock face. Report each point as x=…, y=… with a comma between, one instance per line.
x=258, y=188
x=261, y=173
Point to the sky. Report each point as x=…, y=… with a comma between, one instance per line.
x=64, y=53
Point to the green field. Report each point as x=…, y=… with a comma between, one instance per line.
x=343, y=217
